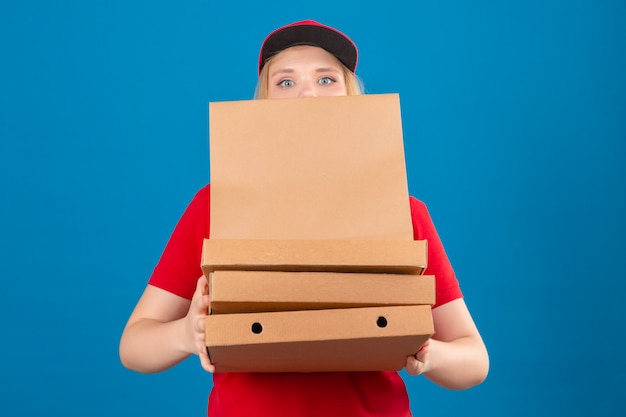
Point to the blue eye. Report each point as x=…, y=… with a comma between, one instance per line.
x=326, y=80
x=286, y=83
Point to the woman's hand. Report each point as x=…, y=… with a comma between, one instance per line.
x=418, y=364
x=196, y=317
x=455, y=357
x=165, y=329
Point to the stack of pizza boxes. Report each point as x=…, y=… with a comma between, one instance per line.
x=311, y=261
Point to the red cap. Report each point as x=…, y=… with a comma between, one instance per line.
x=310, y=32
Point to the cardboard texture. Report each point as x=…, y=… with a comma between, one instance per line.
x=311, y=261
x=258, y=291
x=309, y=168
x=351, y=339
x=399, y=256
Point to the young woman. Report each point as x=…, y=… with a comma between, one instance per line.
x=304, y=59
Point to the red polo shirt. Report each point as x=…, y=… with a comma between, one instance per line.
x=357, y=394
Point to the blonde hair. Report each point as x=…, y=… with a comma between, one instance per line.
x=354, y=86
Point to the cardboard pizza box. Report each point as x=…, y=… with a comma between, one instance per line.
x=356, y=255
x=323, y=181
x=258, y=291
x=350, y=339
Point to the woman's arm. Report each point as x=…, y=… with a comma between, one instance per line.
x=165, y=329
x=455, y=357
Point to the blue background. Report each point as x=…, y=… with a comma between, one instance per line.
x=515, y=128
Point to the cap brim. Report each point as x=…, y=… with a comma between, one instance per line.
x=326, y=38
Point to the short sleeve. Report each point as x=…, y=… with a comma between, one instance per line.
x=179, y=267
x=447, y=285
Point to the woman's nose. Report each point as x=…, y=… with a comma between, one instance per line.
x=308, y=90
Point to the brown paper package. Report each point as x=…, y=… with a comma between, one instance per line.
x=315, y=187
